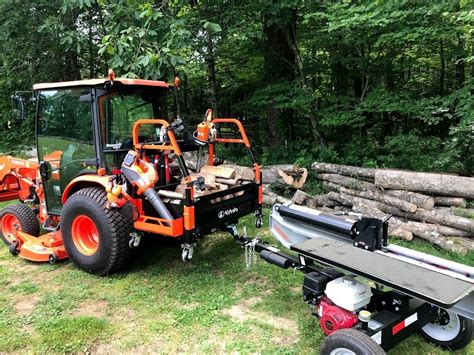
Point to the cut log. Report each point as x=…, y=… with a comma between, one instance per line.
x=221, y=171
x=346, y=181
x=244, y=172
x=422, y=201
x=343, y=200
x=424, y=231
x=450, y=201
x=456, y=211
x=432, y=234
x=434, y=184
x=270, y=172
x=295, y=177
x=378, y=196
x=302, y=198
x=395, y=227
x=270, y=198
x=352, y=171
x=464, y=224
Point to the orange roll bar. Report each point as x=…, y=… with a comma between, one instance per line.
x=244, y=139
x=152, y=121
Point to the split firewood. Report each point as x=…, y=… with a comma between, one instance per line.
x=295, y=177
x=422, y=201
x=221, y=171
x=231, y=182
x=244, y=172
x=450, y=201
x=434, y=184
x=376, y=195
x=352, y=171
x=346, y=181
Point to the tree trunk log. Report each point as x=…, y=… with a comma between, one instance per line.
x=422, y=201
x=464, y=224
x=395, y=227
x=450, y=201
x=302, y=198
x=378, y=196
x=346, y=181
x=436, y=184
x=270, y=172
x=347, y=170
x=429, y=232
x=270, y=198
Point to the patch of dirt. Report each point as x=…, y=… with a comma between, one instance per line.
x=91, y=308
x=296, y=290
x=189, y=306
x=257, y=279
x=242, y=312
x=25, y=306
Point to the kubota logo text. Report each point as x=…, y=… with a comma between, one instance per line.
x=228, y=212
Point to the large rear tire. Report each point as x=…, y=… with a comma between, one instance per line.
x=19, y=217
x=350, y=342
x=96, y=238
x=449, y=330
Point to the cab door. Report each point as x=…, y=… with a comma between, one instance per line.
x=64, y=139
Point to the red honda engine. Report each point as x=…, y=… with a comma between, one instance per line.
x=332, y=317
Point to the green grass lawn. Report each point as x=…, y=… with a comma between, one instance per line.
x=163, y=305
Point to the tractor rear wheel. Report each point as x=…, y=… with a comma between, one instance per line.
x=96, y=238
x=18, y=217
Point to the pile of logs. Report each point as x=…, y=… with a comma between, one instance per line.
x=425, y=205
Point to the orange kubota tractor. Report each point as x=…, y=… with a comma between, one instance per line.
x=107, y=172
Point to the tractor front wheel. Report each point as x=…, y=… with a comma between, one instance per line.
x=18, y=217
x=96, y=238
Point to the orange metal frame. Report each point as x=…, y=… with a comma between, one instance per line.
x=151, y=121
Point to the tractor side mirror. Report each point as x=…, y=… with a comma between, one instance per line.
x=18, y=107
x=45, y=170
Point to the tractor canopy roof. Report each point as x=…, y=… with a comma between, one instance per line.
x=96, y=82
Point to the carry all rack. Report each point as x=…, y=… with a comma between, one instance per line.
x=411, y=291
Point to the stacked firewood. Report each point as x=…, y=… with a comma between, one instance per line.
x=224, y=175
x=424, y=205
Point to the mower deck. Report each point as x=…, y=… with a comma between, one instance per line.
x=48, y=247
x=414, y=280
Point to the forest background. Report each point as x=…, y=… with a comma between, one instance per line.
x=374, y=83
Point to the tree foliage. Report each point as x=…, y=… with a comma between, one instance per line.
x=364, y=82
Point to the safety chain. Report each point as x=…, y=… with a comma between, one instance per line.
x=250, y=254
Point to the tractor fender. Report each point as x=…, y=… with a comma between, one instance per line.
x=84, y=181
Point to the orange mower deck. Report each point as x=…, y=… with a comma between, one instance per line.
x=48, y=247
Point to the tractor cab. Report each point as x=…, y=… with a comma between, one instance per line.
x=82, y=125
